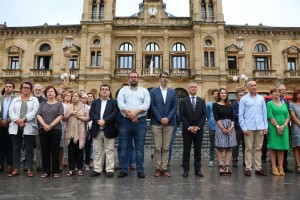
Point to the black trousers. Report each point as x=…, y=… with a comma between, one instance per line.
x=6, y=148
x=188, y=140
x=235, y=150
x=87, y=148
x=75, y=156
x=50, y=142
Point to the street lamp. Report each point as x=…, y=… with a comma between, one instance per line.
x=240, y=56
x=66, y=77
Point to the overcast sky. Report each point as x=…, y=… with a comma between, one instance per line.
x=37, y=12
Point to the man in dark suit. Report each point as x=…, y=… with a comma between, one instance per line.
x=164, y=106
x=192, y=115
x=103, y=113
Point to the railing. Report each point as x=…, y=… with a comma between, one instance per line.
x=233, y=72
x=123, y=71
x=180, y=72
x=156, y=71
x=171, y=21
x=292, y=74
x=41, y=73
x=11, y=73
x=264, y=73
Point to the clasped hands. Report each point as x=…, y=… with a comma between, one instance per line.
x=194, y=129
x=164, y=121
x=131, y=115
x=280, y=129
x=20, y=122
x=227, y=131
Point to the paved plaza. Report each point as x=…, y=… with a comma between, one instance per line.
x=212, y=186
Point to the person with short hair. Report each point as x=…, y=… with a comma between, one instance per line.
x=254, y=123
x=133, y=102
x=6, y=146
x=76, y=117
x=23, y=127
x=49, y=115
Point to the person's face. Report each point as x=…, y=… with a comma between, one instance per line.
x=26, y=89
x=9, y=88
x=104, y=92
x=38, y=91
x=239, y=96
x=215, y=95
x=133, y=79
x=251, y=86
x=75, y=98
x=164, y=79
x=90, y=97
x=192, y=89
x=223, y=94
x=50, y=93
x=58, y=98
x=282, y=90
x=83, y=100
x=68, y=98
x=276, y=94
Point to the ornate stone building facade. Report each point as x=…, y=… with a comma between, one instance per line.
x=106, y=48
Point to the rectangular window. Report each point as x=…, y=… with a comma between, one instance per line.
x=43, y=62
x=261, y=63
x=211, y=12
x=203, y=11
x=73, y=62
x=212, y=59
x=291, y=63
x=14, y=64
x=179, y=62
x=232, y=63
x=206, y=59
x=156, y=61
x=125, y=62
x=98, y=58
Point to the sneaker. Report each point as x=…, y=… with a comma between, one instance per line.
x=87, y=168
x=211, y=163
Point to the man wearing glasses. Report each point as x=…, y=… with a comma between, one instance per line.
x=164, y=106
x=133, y=102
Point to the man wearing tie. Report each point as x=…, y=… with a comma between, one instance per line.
x=164, y=106
x=193, y=115
x=103, y=113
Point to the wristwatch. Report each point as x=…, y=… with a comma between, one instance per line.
x=277, y=126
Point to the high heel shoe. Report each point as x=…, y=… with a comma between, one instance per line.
x=281, y=171
x=275, y=171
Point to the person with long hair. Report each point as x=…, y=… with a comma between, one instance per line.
x=295, y=133
x=76, y=117
x=67, y=100
x=278, y=132
x=23, y=127
x=49, y=115
x=225, y=135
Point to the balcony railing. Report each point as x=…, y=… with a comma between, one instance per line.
x=41, y=73
x=292, y=73
x=233, y=72
x=11, y=73
x=264, y=73
x=180, y=72
x=156, y=71
x=123, y=71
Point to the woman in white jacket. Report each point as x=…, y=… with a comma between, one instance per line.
x=22, y=112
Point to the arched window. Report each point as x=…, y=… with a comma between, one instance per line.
x=125, y=57
x=261, y=58
x=209, y=53
x=126, y=47
x=152, y=47
x=45, y=48
x=207, y=10
x=179, y=58
x=260, y=48
x=43, y=61
x=152, y=59
x=95, y=52
x=98, y=9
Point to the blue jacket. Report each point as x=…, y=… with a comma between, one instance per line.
x=160, y=109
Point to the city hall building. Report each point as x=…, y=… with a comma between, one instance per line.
x=106, y=48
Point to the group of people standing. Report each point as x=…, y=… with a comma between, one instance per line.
x=65, y=120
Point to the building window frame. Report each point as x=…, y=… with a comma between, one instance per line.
x=43, y=59
x=125, y=56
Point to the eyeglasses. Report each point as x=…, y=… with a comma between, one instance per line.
x=28, y=88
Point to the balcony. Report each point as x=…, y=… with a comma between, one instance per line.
x=231, y=73
x=11, y=73
x=264, y=74
x=156, y=72
x=292, y=74
x=40, y=74
x=180, y=72
x=123, y=72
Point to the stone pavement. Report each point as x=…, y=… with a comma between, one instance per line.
x=212, y=186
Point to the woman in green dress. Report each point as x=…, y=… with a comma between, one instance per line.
x=278, y=131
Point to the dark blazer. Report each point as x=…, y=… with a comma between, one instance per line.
x=109, y=116
x=189, y=117
x=160, y=109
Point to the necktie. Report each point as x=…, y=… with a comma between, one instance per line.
x=193, y=103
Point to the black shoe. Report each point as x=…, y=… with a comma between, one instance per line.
x=185, y=174
x=94, y=173
x=122, y=174
x=287, y=170
x=110, y=174
x=141, y=174
x=199, y=173
x=261, y=172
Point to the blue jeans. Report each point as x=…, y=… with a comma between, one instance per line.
x=127, y=132
x=132, y=156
